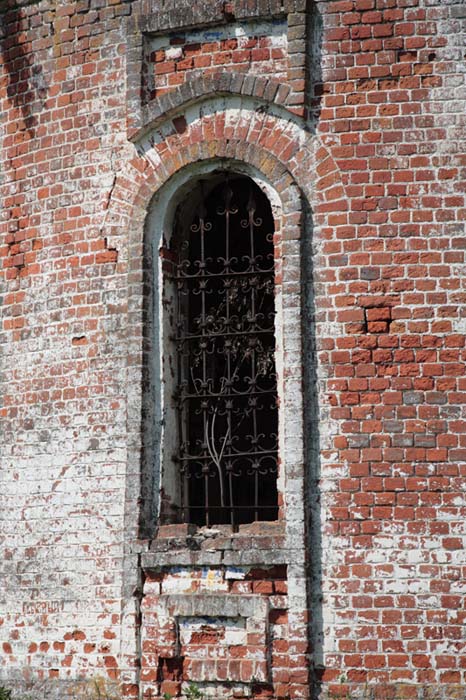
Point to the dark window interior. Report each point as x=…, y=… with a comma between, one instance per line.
x=226, y=388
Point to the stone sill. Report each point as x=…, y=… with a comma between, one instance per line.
x=259, y=543
x=256, y=557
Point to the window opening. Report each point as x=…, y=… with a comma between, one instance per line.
x=226, y=386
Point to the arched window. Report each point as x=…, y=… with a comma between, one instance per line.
x=219, y=350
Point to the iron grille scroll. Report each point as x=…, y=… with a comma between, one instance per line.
x=226, y=395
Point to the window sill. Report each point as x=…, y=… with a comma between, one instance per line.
x=259, y=543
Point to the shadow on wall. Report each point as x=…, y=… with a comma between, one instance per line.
x=312, y=460
x=314, y=65
x=311, y=394
x=26, y=84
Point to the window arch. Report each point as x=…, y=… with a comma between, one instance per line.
x=219, y=355
x=159, y=484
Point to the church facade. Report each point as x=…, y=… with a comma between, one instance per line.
x=233, y=341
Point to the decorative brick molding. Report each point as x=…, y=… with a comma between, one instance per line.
x=265, y=90
x=146, y=23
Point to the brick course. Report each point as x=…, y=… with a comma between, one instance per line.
x=356, y=113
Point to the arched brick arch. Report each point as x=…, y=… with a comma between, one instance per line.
x=279, y=149
x=267, y=91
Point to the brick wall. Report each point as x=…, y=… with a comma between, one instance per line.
x=223, y=627
x=358, y=106
x=394, y=251
x=63, y=371
x=170, y=61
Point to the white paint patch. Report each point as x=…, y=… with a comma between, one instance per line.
x=277, y=30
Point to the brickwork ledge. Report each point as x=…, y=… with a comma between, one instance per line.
x=254, y=543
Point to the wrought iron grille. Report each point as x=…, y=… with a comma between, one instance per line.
x=226, y=393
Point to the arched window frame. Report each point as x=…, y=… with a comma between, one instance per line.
x=288, y=217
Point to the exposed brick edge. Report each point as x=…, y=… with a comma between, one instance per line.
x=222, y=83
